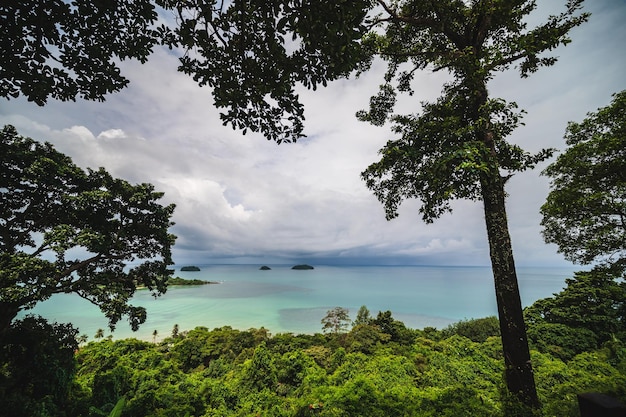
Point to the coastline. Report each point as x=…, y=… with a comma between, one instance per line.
x=286, y=301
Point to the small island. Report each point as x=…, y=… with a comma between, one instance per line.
x=265, y=268
x=190, y=268
x=302, y=267
x=182, y=281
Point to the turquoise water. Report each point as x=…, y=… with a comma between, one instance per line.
x=284, y=300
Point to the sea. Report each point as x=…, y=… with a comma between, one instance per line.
x=283, y=300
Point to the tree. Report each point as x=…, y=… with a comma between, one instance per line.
x=82, y=339
x=336, y=320
x=260, y=372
x=64, y=230
x=560, y=340
x=592, y=300
x=585, y=212
x=397, y=331
x=362, y=316
x=456, y=147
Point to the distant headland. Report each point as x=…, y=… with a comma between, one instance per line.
x=182, y=281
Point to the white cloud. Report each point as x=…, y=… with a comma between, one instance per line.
x=111, y=134
x=243, y=196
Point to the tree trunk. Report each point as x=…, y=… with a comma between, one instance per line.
x=519, y=373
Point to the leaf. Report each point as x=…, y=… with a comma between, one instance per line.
x=119, y=407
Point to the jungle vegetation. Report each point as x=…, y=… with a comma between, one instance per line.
x=373, y=366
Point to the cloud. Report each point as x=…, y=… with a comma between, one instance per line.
x=245, y=199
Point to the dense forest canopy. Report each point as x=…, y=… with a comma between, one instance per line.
x=376, y=367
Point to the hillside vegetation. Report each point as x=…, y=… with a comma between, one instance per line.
x=377, y=368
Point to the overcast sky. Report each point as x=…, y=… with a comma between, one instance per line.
x=243, y=199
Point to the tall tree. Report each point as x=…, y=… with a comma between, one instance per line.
x=456, y=147
x=585, y=212
x=64, y=230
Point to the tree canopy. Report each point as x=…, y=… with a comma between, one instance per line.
x=38, y=367
x=592, y=300
x=64, y=50
x=442, y=151
x=585, y=212
x=226, y=372
x=252, y=53
x=336, y=320
x=64, y=230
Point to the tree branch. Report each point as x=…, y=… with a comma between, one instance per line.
x=395, y=17
x=75, y=267
x=507, y=61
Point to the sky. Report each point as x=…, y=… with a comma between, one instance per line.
x=244, y=199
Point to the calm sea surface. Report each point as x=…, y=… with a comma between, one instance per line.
x=286, y=300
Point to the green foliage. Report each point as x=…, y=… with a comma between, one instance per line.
x=302, y=267
x=458, y=361
x=362, y=316
x=561, y=341
x=584, y=212
x=64, y=230
x=477, y=330
x=268, y=47
x=396, y=330
x=592, y=300
x=247, y=373
x=558, y=383
x=66, y=50
x=190, y=268
x=37, y=368
x=252, y=54
x=336, y=320
x=259, y=372
x=366, y=338
x=200, y=346
x=148, y=379
x=440, y=157
x=615, y=351
x=182, y=281
x=442, y=152
x=119, y=407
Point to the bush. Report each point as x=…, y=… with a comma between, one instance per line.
x=561, y=341
x=477, y=330
x=37, y=367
